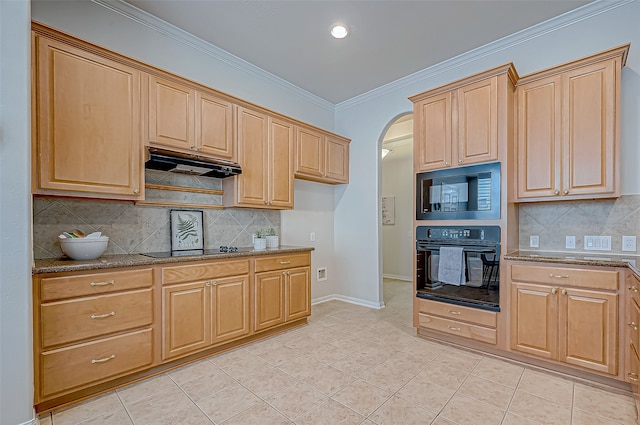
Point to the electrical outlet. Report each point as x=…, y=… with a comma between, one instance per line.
x=570, y=242
x=534, y=241
x=628, y=243
x=321, y=274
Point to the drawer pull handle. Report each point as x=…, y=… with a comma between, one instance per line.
x=632, y=377
x=633, y=326
x=558, y=276
x=564, y=292
x=285, y=262
x=102, y=316
x=454, y=312
x=106, y=359
x=453, y=328
x=554, y=290
x=108, y=282
x=633, y=288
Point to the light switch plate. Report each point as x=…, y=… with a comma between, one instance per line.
x=570, y=242
x=597, y=243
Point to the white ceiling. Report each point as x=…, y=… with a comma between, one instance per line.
x=388, y=40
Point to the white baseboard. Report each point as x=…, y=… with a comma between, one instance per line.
x=398, y=277
x=350, y=300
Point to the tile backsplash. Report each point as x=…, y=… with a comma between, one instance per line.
x=552, y=221
x=132, y=228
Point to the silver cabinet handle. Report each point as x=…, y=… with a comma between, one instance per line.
x=285, y=262
x=556, y=192
x=566, y=192
x=633, y=288
x=106, y=359
x=102, y=316
x=632, y=376
x=564, y=292
x=447, y=164
x=453, y=328
x=633, y=326
x=108, y=282
x=559, y=276
x=454, y=312
x=136, y=191
x=554, y=290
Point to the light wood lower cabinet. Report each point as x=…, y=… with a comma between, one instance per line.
x=282, y=290
x=200, y=313
x=556, y=321
x=97, y=330
x=471, y=323
x=90, y=328
x=632, y=346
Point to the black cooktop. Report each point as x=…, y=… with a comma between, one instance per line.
x=196, y=252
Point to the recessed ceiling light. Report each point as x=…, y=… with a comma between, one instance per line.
x=339, y=31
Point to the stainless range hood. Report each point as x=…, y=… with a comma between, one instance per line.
x=176, y=162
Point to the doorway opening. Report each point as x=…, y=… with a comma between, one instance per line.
x=396, y=240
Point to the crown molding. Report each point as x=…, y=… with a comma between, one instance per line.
x=131, y=12
x=569, y=18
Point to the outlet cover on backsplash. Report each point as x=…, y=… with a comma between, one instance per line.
x=552, y=221
x=133, y=229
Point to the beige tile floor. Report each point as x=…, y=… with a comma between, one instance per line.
x=353, y=365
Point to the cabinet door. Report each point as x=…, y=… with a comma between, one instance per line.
x=171, y=114
x=588, y=333
x=534, y=320
x=252, y=134
x=298, y=296
x=186, y=318
x=539, y=138
x=589, y=116
x=280, y=165
x=634, y=323
x=433, y=132
x=478, y=122
x=309, y=153
x=230, y=308
x=87, y=124
x=214, y=126
x=269, y=300
x=336, y=160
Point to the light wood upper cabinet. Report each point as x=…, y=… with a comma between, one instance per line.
x=194, y=121
x=568, y=129
x=87, y=135
x=265, y=153
x=321, y=157
x=463, y=122
x=575, y=325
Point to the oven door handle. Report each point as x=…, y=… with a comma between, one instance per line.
x=464, y=249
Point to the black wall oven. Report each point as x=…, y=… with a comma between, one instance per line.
x=479, y=286
x=471, y=192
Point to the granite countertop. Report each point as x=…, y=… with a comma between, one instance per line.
x=57, y=265
x=581, y=258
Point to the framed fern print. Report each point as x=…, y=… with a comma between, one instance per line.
x=186, y=230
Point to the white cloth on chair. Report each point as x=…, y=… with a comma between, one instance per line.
x=451, y=265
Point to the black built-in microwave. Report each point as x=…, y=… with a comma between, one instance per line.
x=460, y=193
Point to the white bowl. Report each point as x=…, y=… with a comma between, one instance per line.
x=84, y=248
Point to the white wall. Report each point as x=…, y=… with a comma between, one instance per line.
x=397, y=239
x=313, y=213
x=363, y=119
x=16, y=374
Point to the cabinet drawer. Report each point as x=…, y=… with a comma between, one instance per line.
x=72, y=320
x=282, y=262
x=204, y=271
x=477, y=333
x=72, y=367
x=561, y=276
x=459, y=313
x=54, y=288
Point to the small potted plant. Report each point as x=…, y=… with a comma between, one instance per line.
x=259, y=240
x=273, y=241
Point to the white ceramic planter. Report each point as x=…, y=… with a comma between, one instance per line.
x=273, y=241
x=259, y=244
